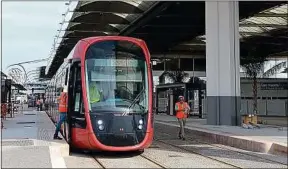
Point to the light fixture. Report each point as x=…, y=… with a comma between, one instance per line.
x=101, y=127
x=140, y=127
x=100, y=122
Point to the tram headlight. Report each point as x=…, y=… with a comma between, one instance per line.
x=140, y=127
x=101, y=127
x=141, y=121
x=100, y=122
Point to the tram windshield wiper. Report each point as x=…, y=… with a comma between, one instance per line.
x=136, y=98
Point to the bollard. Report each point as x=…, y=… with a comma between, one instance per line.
x=22, y=108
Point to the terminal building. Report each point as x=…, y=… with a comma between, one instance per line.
x=219, y=42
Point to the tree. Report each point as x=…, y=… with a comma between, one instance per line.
x=253, y=69
x=253, y=65
x=197, y=81
x=276, y=68
x=177, y=76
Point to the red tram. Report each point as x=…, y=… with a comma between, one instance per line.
x=109, y=83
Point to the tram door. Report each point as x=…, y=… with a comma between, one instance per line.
x=76, y=116
x=66, y=123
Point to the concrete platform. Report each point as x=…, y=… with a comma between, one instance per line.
x=27, y=142
x=267, y=139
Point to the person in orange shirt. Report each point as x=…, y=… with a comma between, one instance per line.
x=63, y=104
x=182, y=109
x=38, y=104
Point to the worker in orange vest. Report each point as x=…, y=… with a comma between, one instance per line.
x=63, y=104
x=38, y=104
x=182, y=109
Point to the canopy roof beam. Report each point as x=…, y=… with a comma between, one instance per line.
x=271, y=15
x=263, y=25
x=95, y=31
x=103, y=12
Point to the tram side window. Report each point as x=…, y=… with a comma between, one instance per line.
x=78, y=103
x=79, y=107
x=66, y=76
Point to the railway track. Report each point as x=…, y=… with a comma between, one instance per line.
x=222, y=147
x=213, y=145
x=153, y=161
x=99, y=162
x=144, y=157
x=158, y=164
x=194, y=152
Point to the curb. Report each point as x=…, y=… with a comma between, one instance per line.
x=240, y=142
x=278, y=148
x=64, y=147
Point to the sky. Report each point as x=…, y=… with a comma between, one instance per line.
x=28, y=30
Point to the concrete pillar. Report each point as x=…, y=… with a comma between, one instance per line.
x=222, y=63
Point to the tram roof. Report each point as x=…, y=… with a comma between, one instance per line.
x=173, y=27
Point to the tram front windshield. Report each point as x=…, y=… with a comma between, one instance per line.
x=116, y=78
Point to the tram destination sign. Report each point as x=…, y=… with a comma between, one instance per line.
x=274, y=86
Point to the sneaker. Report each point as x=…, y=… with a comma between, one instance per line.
x=57, y=138
x=183, y=138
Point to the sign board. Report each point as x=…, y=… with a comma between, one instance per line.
x=30, y=86
x=117, y=62
x=274, y=86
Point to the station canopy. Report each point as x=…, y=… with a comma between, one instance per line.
x=13, y=83
x=18, y=86
x=171, y=27
x=3, y=75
